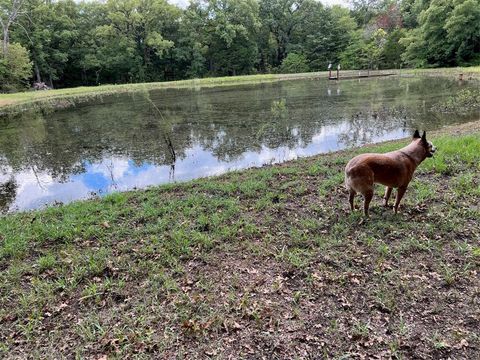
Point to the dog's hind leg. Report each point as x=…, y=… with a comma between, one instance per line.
x=368, y=195
x=388, y=192
x=351, y=197
x=400, y=193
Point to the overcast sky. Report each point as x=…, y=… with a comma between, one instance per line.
x=184, y=3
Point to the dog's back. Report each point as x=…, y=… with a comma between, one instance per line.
x=364, y=170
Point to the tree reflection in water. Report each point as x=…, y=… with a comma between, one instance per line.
x=8, y=192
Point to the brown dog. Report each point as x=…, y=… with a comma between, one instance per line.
x=394, y=170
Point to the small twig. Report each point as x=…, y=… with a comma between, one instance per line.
x=166, y=137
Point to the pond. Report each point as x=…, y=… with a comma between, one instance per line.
x=131, y=141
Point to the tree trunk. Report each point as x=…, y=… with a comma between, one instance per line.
x=37, y=73
x=280, y=54
x=12, y=14
x=5, y=40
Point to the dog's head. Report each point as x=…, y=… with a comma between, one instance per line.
x=427, y=145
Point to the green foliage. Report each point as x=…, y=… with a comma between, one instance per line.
x=91, y=43
x=355, y=56
x=283, y=20
x=15, y=67
x=365, y=10
x=381, y=50
x=463, y=30
x=448, y=34
x=393, y=49
x=294, y=63
x=230, y=36
x=327, y=35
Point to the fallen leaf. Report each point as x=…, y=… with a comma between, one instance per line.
x=462, y=344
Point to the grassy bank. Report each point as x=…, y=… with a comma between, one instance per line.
x=61, y=98
x=469, y=73
x=259, y=263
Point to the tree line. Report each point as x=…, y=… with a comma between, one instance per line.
x=67, y=43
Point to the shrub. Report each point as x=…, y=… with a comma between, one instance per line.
x=294, y=63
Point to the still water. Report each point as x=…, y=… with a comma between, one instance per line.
x=136, y=140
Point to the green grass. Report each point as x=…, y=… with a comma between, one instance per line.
x=471, y=71
x=230, y=264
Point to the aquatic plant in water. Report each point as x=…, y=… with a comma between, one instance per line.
x=463, y=102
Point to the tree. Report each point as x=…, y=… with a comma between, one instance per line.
x=410, y=9
x=355, y=56
x=463, y=30
x=432, y=23
x=86, y=65
x=375, y=50
x=282, y=18
x=432, y=44
x=9, y=12
x=327, y=35
x=132, y=39
x=73, y=42
x=365, y=52
x=228, y=31
x=393, y=50
x=48, y=30
x=390, y=18
x=15, y=67
x=294, y=63
x=191, y=47
x=365, y=10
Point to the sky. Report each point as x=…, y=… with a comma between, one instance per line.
x=184, y=3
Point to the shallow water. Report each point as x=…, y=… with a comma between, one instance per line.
x=126, y=141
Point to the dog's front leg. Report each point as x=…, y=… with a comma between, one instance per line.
x=400, y=193
x=388, y=192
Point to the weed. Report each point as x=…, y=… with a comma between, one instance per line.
x=297, y=257
x=46, y=262
x=361, y=329
x=438, y=342
x=449, y=275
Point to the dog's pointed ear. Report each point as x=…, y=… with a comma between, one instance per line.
x=416, y=135
x=424, y=137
